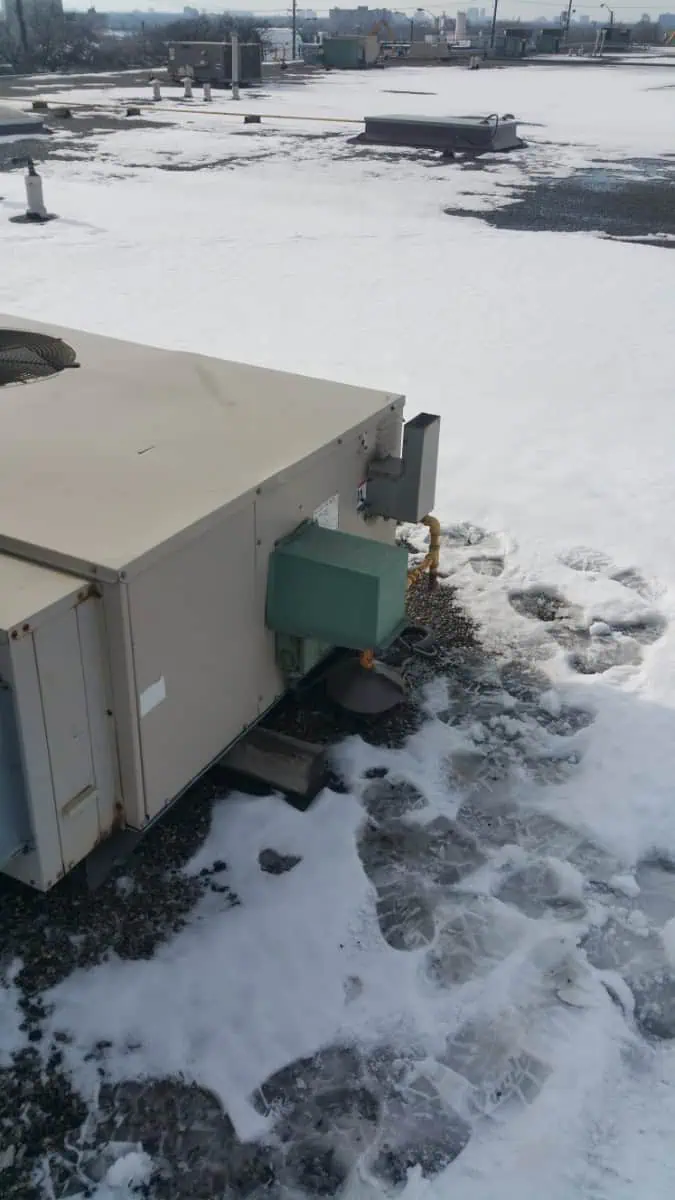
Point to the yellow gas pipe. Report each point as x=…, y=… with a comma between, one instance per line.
x=430, y=562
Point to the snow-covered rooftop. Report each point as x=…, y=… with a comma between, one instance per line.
x=548, y=355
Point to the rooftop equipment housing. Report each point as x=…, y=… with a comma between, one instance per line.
x=469, y=135
x=180, y=538
x=351, y=52
x=13, y=123
x=211, y=62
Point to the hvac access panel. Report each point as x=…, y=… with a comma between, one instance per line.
x=196, y=658
x=57, y=737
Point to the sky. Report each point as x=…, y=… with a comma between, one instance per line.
x=524, y=9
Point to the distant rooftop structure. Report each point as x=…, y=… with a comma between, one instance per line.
x=13, y=122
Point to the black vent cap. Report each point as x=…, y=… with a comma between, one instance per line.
x=26, y=356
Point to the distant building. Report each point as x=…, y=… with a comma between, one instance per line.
x=667, y=20
x=277, y=44
x=356, y=20
x=96, y=22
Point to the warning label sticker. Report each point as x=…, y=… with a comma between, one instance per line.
x=328, y=514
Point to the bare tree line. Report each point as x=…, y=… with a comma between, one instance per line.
x=46, y=39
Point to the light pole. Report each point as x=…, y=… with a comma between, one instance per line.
x=493, y=31
x=568, y=21
x=611, y=14
x=294, y=24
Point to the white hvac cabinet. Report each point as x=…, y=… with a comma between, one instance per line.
x=58, y=774
x=158, y=483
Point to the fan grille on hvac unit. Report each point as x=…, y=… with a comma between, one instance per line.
x=26, y=356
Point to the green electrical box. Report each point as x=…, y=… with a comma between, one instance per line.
x=297, y=656
x=339, y=588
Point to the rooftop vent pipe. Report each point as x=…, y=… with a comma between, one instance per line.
x=403, y=489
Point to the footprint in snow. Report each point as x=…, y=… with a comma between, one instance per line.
x=487, y=561
x=594, y=562
x=594, y=649
x=492, y=566
x=635, y=943
x=344, y=1107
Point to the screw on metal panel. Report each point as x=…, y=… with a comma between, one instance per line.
x=339, y=441
x=123, y=574
x=108, y=712
x=14, y=635
x=259, y=542
x=26, y=627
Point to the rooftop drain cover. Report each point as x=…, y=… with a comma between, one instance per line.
x=26, y=356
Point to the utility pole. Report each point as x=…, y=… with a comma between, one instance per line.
x=236, y=74
x=568, y=22
x=294, y=23
x=493, y=31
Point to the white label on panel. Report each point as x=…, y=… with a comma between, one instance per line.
x=328, y=513
x=152, y=696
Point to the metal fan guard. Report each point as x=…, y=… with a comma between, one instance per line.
x=26, y=356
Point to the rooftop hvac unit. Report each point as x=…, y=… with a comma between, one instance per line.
x=180, y=539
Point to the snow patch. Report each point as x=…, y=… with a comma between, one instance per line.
x=668, y=937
